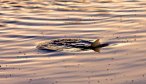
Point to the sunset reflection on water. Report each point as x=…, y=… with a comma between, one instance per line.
x=24, y=23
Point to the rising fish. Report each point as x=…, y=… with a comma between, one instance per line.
x=68, y=44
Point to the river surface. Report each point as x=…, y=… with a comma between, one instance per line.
x=24, y=23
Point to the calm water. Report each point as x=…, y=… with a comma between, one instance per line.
x=24, y=23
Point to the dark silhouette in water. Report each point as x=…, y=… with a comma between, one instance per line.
x=60, y=44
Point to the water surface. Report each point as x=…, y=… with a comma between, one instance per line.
x=24, y=23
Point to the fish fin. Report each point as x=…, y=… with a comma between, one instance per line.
x=95, y=43
x=97, y=50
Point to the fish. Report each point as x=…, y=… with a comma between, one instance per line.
x=64, y=44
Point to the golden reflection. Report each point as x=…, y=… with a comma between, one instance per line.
x=24, y=22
